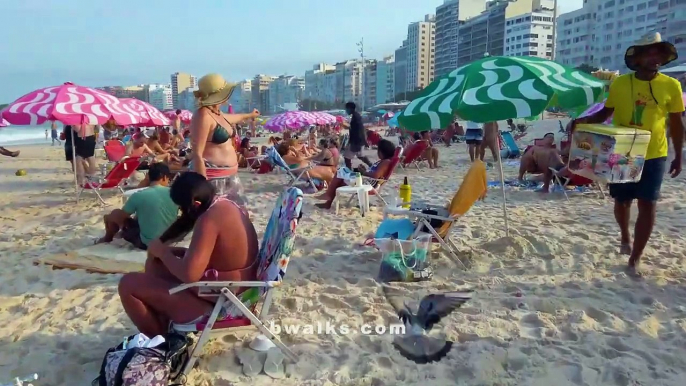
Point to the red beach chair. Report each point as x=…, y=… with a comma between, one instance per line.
x=414, y=154
x=115, y=150
x=115, y=178
x=380, y=182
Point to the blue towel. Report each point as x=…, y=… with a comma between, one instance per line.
x=400, y=229
x=529, y=185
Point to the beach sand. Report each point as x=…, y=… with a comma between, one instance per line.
x=552, y=303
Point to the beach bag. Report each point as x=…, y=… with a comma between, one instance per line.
x=140, y=366
x=404, y=260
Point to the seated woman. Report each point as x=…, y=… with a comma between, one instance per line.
x=431, y=153
x=245, y=153
x=224, y=243
x=385, y=151
x=334, y=148
x=296, y=161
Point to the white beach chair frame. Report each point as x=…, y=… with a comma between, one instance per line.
x=557, y=181
x=226, y=295
x=90, y=184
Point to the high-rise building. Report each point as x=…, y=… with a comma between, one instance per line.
x=369, y=89
x=260, y=92
x=448, y=17
x=348, y=82
x=485, y=33
x=385, y=80
x=421, y=53
x=531, y=34
x=400, y=71
x=179, y=82
x=314, y=82
x=671, y=22
x=160, y=96
x=241, y=97
x=285, y=90
x=574, y=40
x=186, y=99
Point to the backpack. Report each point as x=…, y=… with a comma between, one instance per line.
x=145, y=366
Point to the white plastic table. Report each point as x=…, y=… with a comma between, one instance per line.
x=362, y=192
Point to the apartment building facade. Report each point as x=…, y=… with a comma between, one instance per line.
x=259, y=89
x=448, y=18
x=421, y=53
x=349, y=82
x=315, y=84
x=400, y=70
x=179, y=82
x=574, y=40
x=284, y=90
x=241, y=96
x=530, y=34
x=160, y=96
x=385, y=80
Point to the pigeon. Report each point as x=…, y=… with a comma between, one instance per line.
x=415, y=344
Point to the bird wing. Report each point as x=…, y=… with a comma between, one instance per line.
x=434, y=307
x=422, y=348
x=395, y=298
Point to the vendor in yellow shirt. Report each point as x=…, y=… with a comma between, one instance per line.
x=646, y=100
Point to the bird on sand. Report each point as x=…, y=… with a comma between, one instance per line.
x=415, y=344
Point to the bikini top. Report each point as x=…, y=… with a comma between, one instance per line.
x=220, y=134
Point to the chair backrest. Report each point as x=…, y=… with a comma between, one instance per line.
x=123, y=170
x=279, y=237
x=391, y=168
x=274, y=158
x=415, y=151
x=473, y=187
x=115, y=150
x=510, y=142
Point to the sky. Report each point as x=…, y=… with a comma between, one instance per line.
x=126, y=42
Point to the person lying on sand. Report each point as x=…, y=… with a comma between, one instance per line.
x=296, y=161
x=224, y=245
x=9, y=153
x=385, y=151
x=146, y=214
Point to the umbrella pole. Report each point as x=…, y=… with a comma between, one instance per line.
x=502, y=189
x=75, y=169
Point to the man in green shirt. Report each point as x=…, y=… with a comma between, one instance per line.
x=146, y=214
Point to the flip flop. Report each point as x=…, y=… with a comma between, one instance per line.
x=273, y=366
x=251, y=361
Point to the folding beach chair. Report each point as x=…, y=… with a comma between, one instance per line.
x=378, y=183
x=114, y=179
x=564, y=183
x=413, y=156
x=232, y=311
x=512, y=148
x=115, y=150
x=274, y=158
x=440, y=219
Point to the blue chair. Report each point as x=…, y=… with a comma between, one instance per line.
x=513, y=150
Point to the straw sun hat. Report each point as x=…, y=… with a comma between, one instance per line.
x=213, y=90
x=653, y=39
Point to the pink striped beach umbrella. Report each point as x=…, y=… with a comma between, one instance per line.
x=185, y=115
x=147, y=114
x=3, y=122
x=324, y=118
x=70, y=104
x=290, y=120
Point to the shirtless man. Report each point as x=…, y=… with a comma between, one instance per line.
x=490, y=140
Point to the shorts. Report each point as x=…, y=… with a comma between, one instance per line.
x=84, y=147
x=69, y=154
x=474, y=136
x=647, y=188
x=131, y=232
x=353, y=150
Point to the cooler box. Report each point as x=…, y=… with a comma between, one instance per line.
x=608, y=154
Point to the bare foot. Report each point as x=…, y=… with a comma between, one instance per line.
x=103, y=240
x=625, y=249
x=634, y=271
x=323, y=205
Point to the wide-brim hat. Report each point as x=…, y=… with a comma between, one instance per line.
x=213, y=90
x=650, y=40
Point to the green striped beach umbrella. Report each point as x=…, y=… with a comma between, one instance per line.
x=498, y=88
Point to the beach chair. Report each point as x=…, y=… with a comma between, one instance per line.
x=413, y=156
x=440, y=221
x=564, y=183
x=114, y=179
x=294, y=175
x=233, y=311
x=378, y=183
x=513, y=150
x=115, y=150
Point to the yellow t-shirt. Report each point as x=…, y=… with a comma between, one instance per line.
x=635, y=107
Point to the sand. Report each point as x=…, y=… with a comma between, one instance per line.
x=552, y=303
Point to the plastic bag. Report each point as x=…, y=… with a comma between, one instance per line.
x=404, y=260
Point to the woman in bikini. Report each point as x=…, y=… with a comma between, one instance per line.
x=296, y=161
x=213, y=154
x=385, y=151
x=224, y=244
